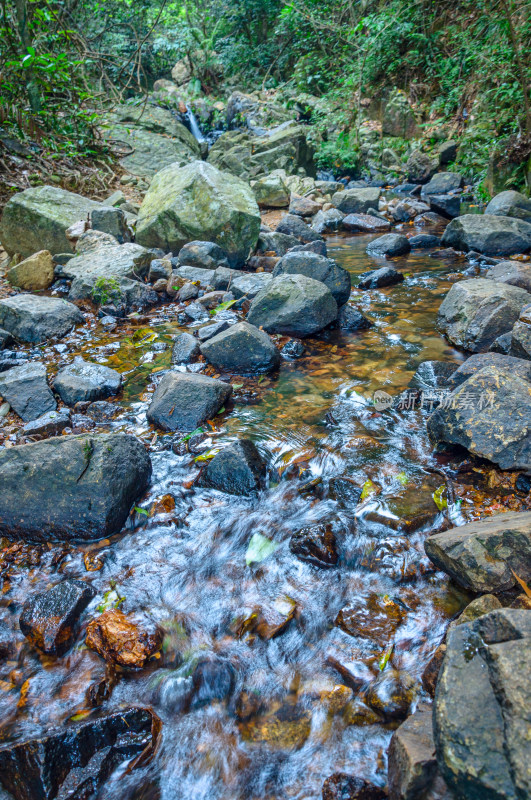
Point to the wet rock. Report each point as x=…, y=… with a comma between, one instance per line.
x=223, y=278
x=510, y=204
x=35, y=319
x=10, y=359
x=475, y=312
x=271, y=192
x=378, y=278
x=488, y=234
x=424, y=241
x=185, y=203
x=328, y=221
x=111, y=220
x=37, y=219
x=211, y=300
x=185, y=401
x=477, y=608
x=341, y=786
x=392, y=694
x=390, y=245
x=285, y=729
x=81, y=756
x=120, y=639
x=269, y=621
x=352, y=669
x=294, y=305
x=356, y=201
x=160, y=286
x=432, y=375
x=34, y=273
x=185, y=349
x=292, y=350
x=242, y=349
x=489, y=415
x=276, y=242
x=84, y=381
x=345, y=490
x=50, y=424
x=365, y=223
x=249, y=284
x=294, y=226
x=237, y=469
x=204, y=255
x=480, y=707
x=209, y=331
x=371, y=618
x=50, y=619
x=26, y=390
x=303, y=206
x=350, y=319
x=196, y=312
x=74, y=487
x=316, y=544
x=446, y=205
x=213, y=679
x=359, y=714
x=412, y=765
x=322, y=269
x=481, y=556
x=518, y=366
x=420, y=167
x=515, y=273
x=102, y=411
x=432, y=669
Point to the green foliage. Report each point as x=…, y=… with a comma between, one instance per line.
x=106, y=290
x=338, y=155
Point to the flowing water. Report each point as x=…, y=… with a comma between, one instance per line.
x=267, y=722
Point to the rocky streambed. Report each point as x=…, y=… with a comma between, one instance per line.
x=254, y=502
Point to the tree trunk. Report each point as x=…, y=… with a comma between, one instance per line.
x=21, y=8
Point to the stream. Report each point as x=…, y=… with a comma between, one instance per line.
x=266, y=721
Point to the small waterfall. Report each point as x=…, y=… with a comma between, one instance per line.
x=194, y=125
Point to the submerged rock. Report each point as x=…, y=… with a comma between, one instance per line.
x=341, y=786
x=294, y=305
x=392, y=694
x=35, y=319
x=316, y=544
x=378, y=278
x=318, y=267
x=49, y=620
x=183, y=401
x=242, y=349
x=83, y=380
x=481, y=556
x=350, y=319
x=78, y=488
x=79, y=758
x=199, y=202
x=120, y=639
x=475, y=312
x=237, y=469
x=488, y=234
x=26, y=390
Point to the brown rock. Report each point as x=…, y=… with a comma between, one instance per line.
x=122, y=641
x=371, y=617
x=34, y=273
x=341, y=786
x=412, y=764
x=431, y=670
x=392, y=694
x=316, y=544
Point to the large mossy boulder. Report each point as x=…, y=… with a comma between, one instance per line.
x=475, y=312
x=78, y=488
x=198, y=202
x=488, y=234
x=36, y=219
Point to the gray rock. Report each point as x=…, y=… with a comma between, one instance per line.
x=364, y=223
x=93, y=271
x=242, y=349
x=187, y=292
x=5, y=339
x=510, y=204
x=481, y=556
x=446, y=205
x=518, y=366
x=49, y=424
x=36, y=219
x=356, y=201
x=311, y=247
x=35, y=319
x=447, y=152
x=294, y=226
x=327, y=221
x=89, y=242
x=502, y=344
x=205, y=255
x=377, y=278
x=238, y=469
x=160, y=268
x=350, y=319
x=183, y=401
x=489, y=414
x=303, y=206
x=432, y=375
x=50, y=619
x=475, y=312
x=111, y=220
x=406, y=210
x=420, y=167
x=521, y=337
x=195, y=274
x=26, y=390
x=110, y=293
x=84, y=381
x=78, y=488
x=223, y=277
x=442, y=183
x=424, y=241
x=293, y=305
x=390, y=245
x=185, y=349
x=248, y=284
x=276, y=242
x=515, y=273
x=480, y=714
x=322, y=269
x=488, y=234
x=208, y=331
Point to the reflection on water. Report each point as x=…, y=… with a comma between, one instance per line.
x=272, y=721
